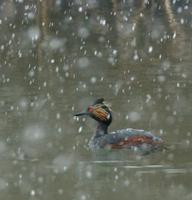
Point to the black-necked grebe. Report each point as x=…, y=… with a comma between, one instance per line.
x=125, y=138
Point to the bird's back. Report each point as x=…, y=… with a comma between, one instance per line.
x=127, y=138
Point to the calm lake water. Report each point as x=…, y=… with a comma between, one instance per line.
x=57, y=57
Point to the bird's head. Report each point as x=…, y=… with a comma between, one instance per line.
x=99, y=110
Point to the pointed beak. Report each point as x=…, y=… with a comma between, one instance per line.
x=81, y=114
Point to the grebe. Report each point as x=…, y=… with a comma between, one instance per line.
x=119, y=139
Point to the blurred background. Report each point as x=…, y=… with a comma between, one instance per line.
x=56, y=58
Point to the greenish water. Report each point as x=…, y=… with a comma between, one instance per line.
x=56, y=57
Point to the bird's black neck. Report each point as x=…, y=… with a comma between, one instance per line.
x=102, y=129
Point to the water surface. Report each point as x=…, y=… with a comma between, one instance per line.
x=59, y=56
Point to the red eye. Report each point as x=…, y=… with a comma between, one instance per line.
x=90, y=109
